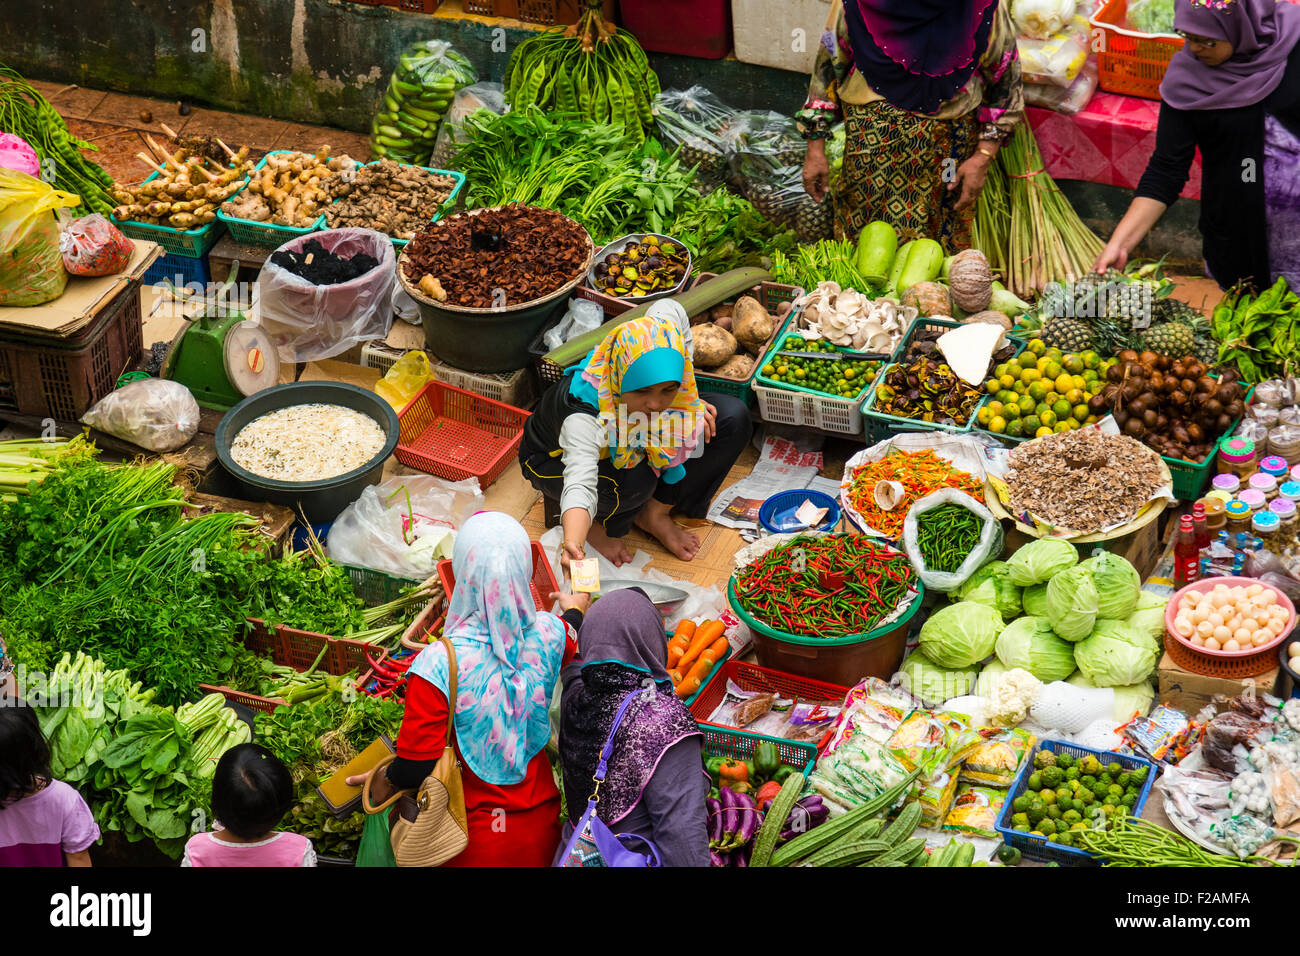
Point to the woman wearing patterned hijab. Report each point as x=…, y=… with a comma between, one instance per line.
x=1233, y=91
x=928, y=91
x=656, y=786
x=508, y=657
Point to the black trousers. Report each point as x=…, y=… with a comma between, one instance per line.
x=622, y=492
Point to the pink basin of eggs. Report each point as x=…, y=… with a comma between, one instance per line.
x=1199, y=610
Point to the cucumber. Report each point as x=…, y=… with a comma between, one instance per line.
x=896, y=269
x=877, y=245
x=392, y=132
x=924, y=263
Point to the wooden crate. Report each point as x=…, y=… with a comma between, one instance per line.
x=276, y=520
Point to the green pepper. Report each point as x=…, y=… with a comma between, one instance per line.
x=782, y=772
x=766, y=758
x=713, y=766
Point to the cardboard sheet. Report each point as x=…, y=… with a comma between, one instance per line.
x=331, y=370
x=81, y=301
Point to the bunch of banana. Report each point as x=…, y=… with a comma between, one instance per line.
x=591, y=69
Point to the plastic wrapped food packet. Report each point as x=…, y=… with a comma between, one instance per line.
x=31, y=269
x=155, y=413
x=1273, y=392
x=1057, y=60
x=1284, y=441
x=1254, y=430
x=1267, y=415
x=1069, y=100
x=418, y=96
x=17, y=154
x=705, y=128
x=93, y=246
x=480, y=96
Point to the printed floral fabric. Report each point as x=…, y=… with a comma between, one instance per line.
x=508, y=653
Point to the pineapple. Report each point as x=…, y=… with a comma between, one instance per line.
x=1068, y=335
x=1170, y=338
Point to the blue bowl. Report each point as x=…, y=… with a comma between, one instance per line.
x=777, y=513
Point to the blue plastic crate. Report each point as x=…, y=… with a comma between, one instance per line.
x=179, y=270
x=1037, y=848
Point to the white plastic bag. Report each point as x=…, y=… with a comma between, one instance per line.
x=1058, y=58
x=309, y=322
x=989, y=547
x=583, y=316
x=1070, y=100
x=388, y=532
x=154, y=413
x=471, y=99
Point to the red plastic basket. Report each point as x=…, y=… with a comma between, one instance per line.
x=455, y=434
x=542, y=586
x=1234, y=665
x=752, y=677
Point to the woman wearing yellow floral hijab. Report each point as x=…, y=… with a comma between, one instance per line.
x=625, y=438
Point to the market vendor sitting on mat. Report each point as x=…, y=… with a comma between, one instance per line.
x=625, y=438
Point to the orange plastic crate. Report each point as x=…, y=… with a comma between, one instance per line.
x=456, y=434
x=1129, y=62
x=542, y=586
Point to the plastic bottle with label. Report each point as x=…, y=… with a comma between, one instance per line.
x=1186, y=554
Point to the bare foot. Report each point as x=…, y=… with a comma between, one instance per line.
x=612, y=548
x=655, y=520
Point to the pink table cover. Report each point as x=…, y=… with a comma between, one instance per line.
x=1109, y=142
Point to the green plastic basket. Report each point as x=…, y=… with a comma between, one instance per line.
x=192, y=243
x=266, y=234
x=400, y=244
x=740, y=745
x=770, y=295
x=376, y=587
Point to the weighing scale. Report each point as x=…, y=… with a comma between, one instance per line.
x=222, y=358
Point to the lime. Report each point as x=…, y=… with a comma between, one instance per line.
x=1078, y=381
x=1037, y=346
x=1081, y=413
x=1007, y=380
x=1054, y=353
x=1063, y=427
x=1074, y=396
x=1008, y=397
x=1000, y=370
x=1010, y=410
x=1037, y=391
x=992, y=386
x=1062, y=409
x=782, y=369
x=993, y=408
x=1044, y=430
x=1072, y=364
x=1063, y=383
x=768, y=370
x=983, y=416
x=1046, y=416
x=1091, y=420
x=1026, y=404
x=1030, y=375
x=850, y=373
x=1014, y=368
x=1089, y=376
x=1052, y=371
x=1015, y=428
x=1030, y=424
x=800, y=373
x=997, y=424
x=1091, y=360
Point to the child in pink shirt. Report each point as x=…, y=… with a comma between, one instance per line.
x=251, y=792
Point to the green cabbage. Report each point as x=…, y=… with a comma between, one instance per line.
x=989, y=677
x=1037, y=561
x=961, y=634
x=1031, y=644
x=992, y=585
x=1072, y=603
x=1118, y=584
x=934, y=684
x=1149, y=615
x=1116, y=654
x=1034, y=599
x=1129, y=698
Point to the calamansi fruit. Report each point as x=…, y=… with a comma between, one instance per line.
x=1007, y=380
x=984, y=416
x=1026, y=404
x=1063, y=426
x=993, y=408
x=1063, y=409
x=1015, y=429
x=992, y=386
x=1074, y=396
x=1044, y=430
x=1081, y=413
x=1037, y=391
x=997, y=424
x=1047, y=417
x=1010, y=410
x=1037, y=346
x=1063, y=383
x=1091, y=360
x=1030, y=424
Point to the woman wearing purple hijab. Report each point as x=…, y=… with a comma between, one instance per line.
x=656, y=787
x=928, y=91
x=1233, y=91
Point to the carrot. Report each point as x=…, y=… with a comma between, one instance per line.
x=676, y=677
x=687, y=687
x=682, y=634
x=674, y=655
x=701, y=669
x=705, y=635
x=719, y=648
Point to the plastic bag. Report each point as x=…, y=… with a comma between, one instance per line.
x=1255, y=431
x=17, y=154
x=480, y=96
x=767, y=168
x=705, y=128
x=1073, y=99
x=583, y=316
x=419, y=94
x=989, y=547
x=93, y=246
x=1273, y=392
x=31, y=269
x=405, y=379
x=376, y=847
x=975, y=810
x=309, y=322
x=404, y=306
x=1058, y=59
x=387, y=531
x=154, y=413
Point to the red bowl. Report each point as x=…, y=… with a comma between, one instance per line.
x=1171, y=612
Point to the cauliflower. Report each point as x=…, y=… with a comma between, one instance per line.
x=1012, y=697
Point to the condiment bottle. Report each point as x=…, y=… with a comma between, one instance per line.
x=1295, y=473
x=1238, y=513
x=1186, y=554
x=1288, y=523
x=1222, y=497
x=1200, y=530
x=1264, y=483
x=1216, y=515
x=1226, y=482
x=1290, y=490
x=1275, y=466
x=1254, y=498
x=1265, y=524
x=1237, y=456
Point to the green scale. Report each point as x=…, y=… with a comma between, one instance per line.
x=222, y=360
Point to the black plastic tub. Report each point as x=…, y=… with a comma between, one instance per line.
x=322, y=500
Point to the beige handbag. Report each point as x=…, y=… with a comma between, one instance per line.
x=428, y=828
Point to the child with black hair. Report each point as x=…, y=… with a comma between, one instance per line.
x=252, y=790
x=43, y=821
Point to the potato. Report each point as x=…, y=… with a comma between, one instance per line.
x=713, y=345
x=724, y=322
x=751, y=324
x=723, y=311
x=738, y=367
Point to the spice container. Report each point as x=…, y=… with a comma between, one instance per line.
x=1238, y=516
x=1220, y=496
x=1290, y=490
x=1216, y=515
x=1284, y=442
x=1237, y=456
x=1264, y=484
x=1265, y=525
x=1229, y=483
x=1255, y=499
x=1295, y=473
x=1275, y=466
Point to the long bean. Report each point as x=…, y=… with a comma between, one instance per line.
x=1135, y=842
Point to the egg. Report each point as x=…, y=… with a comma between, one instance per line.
x=1184, y=626
x=1211, y=644
x=1231, y=645
x=1205, y=629
x=1199, y=641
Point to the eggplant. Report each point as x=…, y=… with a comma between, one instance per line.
x=730, y=801
x=750, y=816
x=741, y=857
x=715, y=821
x=717, y=859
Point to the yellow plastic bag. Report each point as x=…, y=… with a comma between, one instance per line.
x=31, y=265
x=405, y=379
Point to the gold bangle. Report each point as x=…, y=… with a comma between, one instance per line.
x=987, y=153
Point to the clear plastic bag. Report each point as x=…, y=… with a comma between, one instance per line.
x=480, y=96
x=418, y=96
x=1254, y=430
x=1151, y=16
x=1070, y=100
x=989, y=547
x=154, y=413
x=404, y=525
x=1058, y=59
x=704, y=127
x=308, y=321
x=767, y=169
x=93, y=246
x=583, y=316
x=1273, y=392
x=31, y=268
